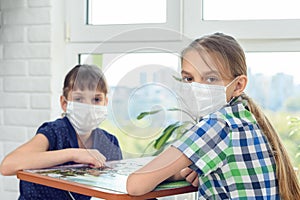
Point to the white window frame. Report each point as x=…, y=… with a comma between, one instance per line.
x=184, y=18
x=78, y=31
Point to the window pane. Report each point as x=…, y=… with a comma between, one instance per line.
x=103, y=12
x=138, y=82
x=250, y=9
x=274, y=84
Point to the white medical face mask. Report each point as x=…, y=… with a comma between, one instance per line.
x=203, y=99
x=85, y=117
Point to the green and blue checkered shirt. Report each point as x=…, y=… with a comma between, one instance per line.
x=231, y=155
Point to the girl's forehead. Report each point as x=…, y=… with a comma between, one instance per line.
x=193, y=61
x=203, y=63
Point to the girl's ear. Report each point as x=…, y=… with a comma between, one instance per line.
x=106, y=100
x=63, y=103
x=240, y=85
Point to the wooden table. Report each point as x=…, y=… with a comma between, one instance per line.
x=108, y=184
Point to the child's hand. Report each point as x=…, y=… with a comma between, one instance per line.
x=190, y=176
x=89, y=156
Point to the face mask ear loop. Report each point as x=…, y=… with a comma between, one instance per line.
x=232, y=97
x=65, y=99
x=63, y=114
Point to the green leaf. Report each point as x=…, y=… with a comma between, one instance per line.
x=144, y=114
x=293, y=132
x=158, y=151
x=177, y=78
x=182, y=129
x=166, y=135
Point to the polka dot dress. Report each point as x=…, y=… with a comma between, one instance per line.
x=61, y=135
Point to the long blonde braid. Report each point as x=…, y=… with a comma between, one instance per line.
x=287, y=179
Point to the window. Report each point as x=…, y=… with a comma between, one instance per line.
x=250, y=10
x=220, y=17
x=138, y=82
x=275, y=86
x=271, y=42
x=102, y=12
x=88, y=21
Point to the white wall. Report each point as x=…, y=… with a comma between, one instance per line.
x=31, y=54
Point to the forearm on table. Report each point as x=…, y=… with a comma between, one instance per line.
x=34, y=160
x=161, y=168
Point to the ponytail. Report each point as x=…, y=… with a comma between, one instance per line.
x=287, y=179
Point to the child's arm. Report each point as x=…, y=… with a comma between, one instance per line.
x=34, y=155
x=164, y=166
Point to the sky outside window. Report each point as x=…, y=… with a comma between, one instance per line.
x=272, y=63
x=104, y=12
x=250, y=9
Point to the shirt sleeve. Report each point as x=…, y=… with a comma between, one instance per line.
x=205, y=145
x=47, y=130
x=58, y=135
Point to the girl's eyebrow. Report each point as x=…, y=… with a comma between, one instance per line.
x=207, y=73
x=100, y=94
x=185, y=72
x=77, y=93
x=212, y=72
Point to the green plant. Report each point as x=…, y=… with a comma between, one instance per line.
x=294, y=125
x=172, y=132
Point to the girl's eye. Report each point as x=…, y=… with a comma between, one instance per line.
x=212, y=79
x=187, y=79
x=97, y=100
x=77, y=99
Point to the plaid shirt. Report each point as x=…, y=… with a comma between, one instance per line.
x=231, y=155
